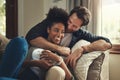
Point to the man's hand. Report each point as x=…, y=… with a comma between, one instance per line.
x=99, y=45
x=65, y=51
x=71, y=60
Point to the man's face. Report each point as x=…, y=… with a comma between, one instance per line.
x=56, y=33
x=74, y=23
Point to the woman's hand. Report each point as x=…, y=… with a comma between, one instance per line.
x=46, y=64
x=42, y=63
x=47, y=54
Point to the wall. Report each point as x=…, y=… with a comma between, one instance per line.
x=114, y=66
x=30, y=12
x=50, y=3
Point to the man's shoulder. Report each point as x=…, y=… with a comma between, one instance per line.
x=40, y=27
x=80, y=31
x=41, y=24
x=38, y=30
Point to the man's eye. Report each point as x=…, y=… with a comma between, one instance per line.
x=56, y=30
x=74, y=26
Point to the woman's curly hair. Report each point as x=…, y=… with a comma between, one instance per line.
x=57, y=15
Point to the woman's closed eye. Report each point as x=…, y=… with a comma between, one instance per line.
x=56, y=30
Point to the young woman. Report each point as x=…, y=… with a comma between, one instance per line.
x=56, y=23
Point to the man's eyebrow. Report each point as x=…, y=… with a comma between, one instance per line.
x=70, y=20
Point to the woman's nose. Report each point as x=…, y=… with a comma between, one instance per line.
x=59, y=34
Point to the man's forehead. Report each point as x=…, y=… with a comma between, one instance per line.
x=74, y=15
x=75, y=20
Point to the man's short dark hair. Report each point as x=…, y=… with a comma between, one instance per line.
x=82, y=13
x=57, y=15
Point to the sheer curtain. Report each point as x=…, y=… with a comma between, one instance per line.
x=95, y=8
x=72, y=3
x=95, y=25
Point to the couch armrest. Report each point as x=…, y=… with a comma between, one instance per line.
x=105, y=67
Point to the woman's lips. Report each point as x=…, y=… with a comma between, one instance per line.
x=57, y=40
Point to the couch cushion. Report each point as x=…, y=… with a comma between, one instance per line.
x=95, y=68
x=83, y=64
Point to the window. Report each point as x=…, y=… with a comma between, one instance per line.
x=2, y=17
x=111, y=20
x=11, y=18
x=111, y=23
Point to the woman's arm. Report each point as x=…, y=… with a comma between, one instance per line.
x=59, y=62
x=68, y=73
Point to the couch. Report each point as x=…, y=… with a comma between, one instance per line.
x=91, y=66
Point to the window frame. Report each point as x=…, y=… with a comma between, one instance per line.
x=11, y=18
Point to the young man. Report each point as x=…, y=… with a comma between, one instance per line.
x=79, y=16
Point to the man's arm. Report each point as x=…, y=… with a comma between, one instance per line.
x=43, y=43
x=99, y=45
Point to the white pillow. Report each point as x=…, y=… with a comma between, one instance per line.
x=84, y=62
x=36, y=53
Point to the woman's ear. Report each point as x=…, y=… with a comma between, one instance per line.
x=48, y=30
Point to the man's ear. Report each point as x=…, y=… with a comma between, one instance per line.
x=48, y=30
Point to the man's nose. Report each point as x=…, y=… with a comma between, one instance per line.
x=70, y=26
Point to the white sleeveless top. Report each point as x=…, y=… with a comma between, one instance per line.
x=66, y=40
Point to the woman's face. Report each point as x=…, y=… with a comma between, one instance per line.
x=56, y=33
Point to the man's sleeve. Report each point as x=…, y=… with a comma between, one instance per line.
x=36, y=31
x=91, y=37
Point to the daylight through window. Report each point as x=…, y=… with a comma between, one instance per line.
x=111, y=20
